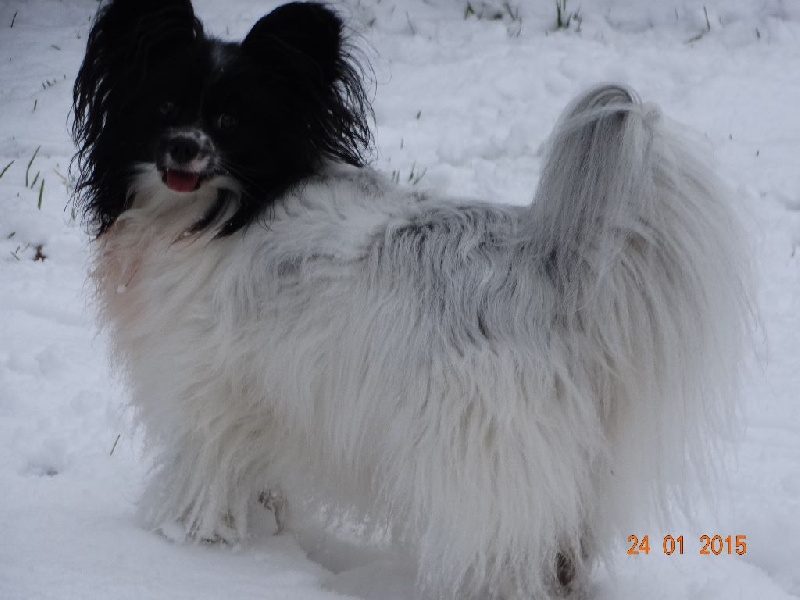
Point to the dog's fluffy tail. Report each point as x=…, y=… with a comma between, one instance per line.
x=650, y=274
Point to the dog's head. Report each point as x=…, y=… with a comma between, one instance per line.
x=155, y=90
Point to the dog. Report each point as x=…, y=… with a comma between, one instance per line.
x=503, y=389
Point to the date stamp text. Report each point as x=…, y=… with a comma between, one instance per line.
x=707, y=545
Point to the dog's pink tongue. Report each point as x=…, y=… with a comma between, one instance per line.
x=178, y=181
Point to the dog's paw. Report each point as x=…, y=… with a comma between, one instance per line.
x=173, y=531
x=571, y=577
x=223, y=532
x=181, y=531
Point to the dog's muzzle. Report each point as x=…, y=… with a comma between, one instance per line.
x=186, y=158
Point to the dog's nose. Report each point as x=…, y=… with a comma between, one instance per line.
x=183, y=149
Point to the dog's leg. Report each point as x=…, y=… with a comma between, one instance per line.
x=276, y=502
x=185, y=495
x=204, y=483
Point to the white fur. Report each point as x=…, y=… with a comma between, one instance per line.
x=495, y=384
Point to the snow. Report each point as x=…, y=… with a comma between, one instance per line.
x=462, y=106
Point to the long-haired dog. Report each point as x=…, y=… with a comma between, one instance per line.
x=501, y=387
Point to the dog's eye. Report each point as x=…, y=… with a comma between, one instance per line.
x=226, y=122
x=167, y=109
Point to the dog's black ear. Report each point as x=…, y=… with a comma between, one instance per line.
x=315, y=89
x=126, y=38
x=128, y=34
x=307, y=35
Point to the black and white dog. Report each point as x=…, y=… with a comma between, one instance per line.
x=503, y=388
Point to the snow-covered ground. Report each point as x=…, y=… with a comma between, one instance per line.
x=462, y=106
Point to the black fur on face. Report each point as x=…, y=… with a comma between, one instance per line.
x=155, y=89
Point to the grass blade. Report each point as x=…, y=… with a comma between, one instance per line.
x=3, y=172
x=30, y=162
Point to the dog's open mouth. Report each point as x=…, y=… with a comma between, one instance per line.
x=182, y=181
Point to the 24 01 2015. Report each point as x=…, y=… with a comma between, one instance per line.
x=710, y=545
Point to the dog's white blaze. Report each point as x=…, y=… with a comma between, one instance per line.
x=196, y=165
